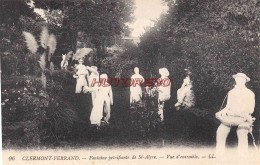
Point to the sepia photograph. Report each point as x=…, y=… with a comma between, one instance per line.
x=130, y=82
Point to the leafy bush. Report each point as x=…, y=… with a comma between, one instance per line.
x=143, y=120
x=59, y=78
x=32, y=116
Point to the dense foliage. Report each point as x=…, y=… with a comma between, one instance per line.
x=98, y=19
x=122, y=64
x=143, y=119
x=214, y=39
x=32, y=116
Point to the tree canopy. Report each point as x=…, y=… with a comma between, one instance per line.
x=96, y=20
x=99, y=19
x=214, y=39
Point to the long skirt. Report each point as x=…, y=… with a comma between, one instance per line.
x=135, y=94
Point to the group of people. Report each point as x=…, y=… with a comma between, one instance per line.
x=240, y=101
x=164, y=92
x=185, y=94
x=102, y=96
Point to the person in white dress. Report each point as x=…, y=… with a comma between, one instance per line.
x=81, y=73
x=136, y=89
x=164, y=91
x=103, y=101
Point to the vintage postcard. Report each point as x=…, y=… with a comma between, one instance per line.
x=98, y=82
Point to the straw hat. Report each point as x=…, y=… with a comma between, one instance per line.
x=241, y=75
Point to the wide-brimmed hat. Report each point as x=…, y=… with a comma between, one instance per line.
x=164, y=72
x=241, y=75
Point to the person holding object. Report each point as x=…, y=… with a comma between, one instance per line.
x=136, y=90
x=185, y=94
x=240, y=106
x=164, y=91
x=81, y=72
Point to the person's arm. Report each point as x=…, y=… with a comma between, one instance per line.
x=92, y=70
x=91, y=89
x=251, y=103
x=223, y=112
x=143, y=80
x=229, y=101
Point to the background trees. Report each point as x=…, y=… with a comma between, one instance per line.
x=16, y=17
x=214, y=38
x=99, y=19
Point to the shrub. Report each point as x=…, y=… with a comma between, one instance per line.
x=32, y=116
x=143, y=120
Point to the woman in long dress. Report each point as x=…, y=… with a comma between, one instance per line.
x=80, y=76
x=136, y=91
x=104, y=96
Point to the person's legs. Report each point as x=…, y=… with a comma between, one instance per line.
x=222, y=133
x=242, y=135
x=160, y=109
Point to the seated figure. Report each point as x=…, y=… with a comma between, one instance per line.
x=185, y=95
x=240, y=105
